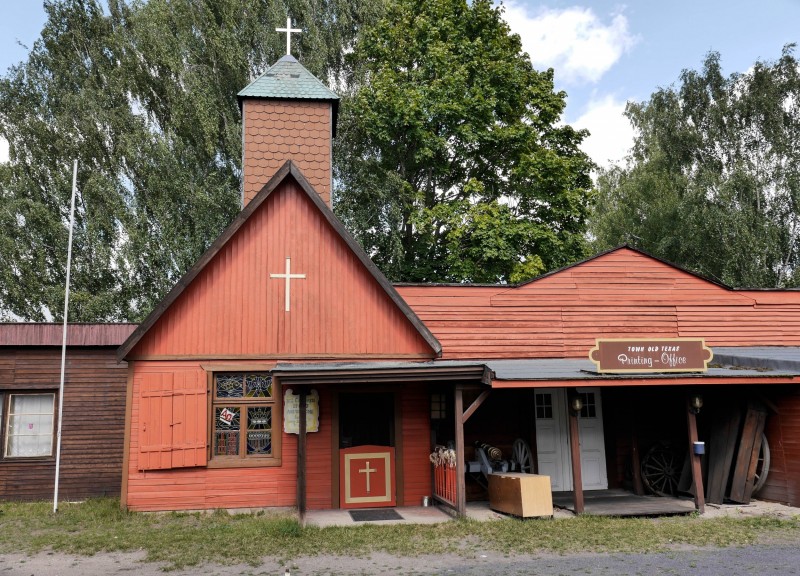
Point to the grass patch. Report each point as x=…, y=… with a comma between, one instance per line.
x=188, y=539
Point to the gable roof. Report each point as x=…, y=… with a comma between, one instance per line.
x=287, y=79
x=617, y=249
x=289, y=169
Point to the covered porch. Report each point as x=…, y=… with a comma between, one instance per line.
x=642, y=413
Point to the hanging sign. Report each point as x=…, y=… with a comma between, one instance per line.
x=291, y=412
x=651, y=355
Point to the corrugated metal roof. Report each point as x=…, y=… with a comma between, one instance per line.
x=288, y=79
x=772, y=357
x=736, y=363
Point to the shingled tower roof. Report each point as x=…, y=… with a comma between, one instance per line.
x=287, y=79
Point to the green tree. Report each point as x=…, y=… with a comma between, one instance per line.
x=713, y=179
x=452, y=163
x=143, y=93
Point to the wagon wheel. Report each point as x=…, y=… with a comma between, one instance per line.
x=661, y=470
x=522, y=455
x=762, y=466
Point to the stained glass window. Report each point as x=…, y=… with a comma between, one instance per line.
x=243, y=411
x=258, y=386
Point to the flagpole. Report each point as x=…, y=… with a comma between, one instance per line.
x=64, y=338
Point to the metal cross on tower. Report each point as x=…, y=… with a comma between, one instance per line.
x=289, y=30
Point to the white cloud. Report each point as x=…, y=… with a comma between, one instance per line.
x=574, y=41
x=3, y=150
x=611, y=133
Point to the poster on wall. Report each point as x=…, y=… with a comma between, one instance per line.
x=291, y=412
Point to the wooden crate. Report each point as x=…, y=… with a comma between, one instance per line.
x=524, y=495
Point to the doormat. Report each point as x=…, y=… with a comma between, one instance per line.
x=375, y=515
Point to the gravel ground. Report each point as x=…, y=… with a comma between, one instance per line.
x=775, y=559
x=774, y=556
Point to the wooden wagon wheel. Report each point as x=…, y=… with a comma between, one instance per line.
x=762, y=466
x=661, y=469
x=522, y=455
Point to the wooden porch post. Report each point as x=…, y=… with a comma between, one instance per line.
x=636, y=463
x=697, y=474
x=575, y=452
x=301, y=458
x=461, y=485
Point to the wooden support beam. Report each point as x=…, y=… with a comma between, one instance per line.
x=461, y=485
x=636, y=462
x=575, y=452
x=301, y=459
x=475, y=405
x=697, y=474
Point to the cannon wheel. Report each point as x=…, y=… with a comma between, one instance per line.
x=661, y=469
x=762, y=466
x=522, y=455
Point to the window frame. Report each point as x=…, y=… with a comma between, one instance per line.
x=5, y=421
x=275, y=402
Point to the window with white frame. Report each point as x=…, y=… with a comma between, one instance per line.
x=28, y=423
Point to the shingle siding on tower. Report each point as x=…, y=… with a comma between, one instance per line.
x=275, y=132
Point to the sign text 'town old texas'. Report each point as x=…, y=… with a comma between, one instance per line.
x=651, y=355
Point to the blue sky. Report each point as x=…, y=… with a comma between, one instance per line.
x=604, y=52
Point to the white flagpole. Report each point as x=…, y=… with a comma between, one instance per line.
x=64, y=339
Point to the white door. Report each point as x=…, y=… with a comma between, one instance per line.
x=551, y=432
x=552, y=439
x=593, y=447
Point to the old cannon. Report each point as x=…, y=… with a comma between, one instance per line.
x=490, y=460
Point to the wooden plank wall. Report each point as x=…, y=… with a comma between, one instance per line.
x=783, y=435
x=415, y=410
x=620, y=294
x=234, y=309
x=93, y=422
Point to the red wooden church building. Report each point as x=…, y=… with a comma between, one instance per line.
x=284, y=369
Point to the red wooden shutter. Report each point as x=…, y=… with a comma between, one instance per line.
x=173, y=420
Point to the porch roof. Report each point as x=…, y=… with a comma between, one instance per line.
x=730, y=366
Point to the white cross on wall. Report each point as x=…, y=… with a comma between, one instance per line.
x=367, y=470
x=288, y=277
x=289, y=30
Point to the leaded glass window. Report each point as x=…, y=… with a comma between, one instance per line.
x=243, y=411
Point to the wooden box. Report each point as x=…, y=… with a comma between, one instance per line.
x=524, y=495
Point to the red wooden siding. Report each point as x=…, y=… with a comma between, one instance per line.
x=415, y=411
x=200, y=487
x=233, y=309
x=93, y=421
x=783, y=435
x=619, y=294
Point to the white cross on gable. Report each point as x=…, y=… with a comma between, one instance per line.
x=288, y=277
x=289, y=30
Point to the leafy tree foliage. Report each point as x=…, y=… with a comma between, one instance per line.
x=143, y=93
x=452, y=163
x=713, y=180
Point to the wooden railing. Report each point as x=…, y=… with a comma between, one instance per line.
x=444, y=484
